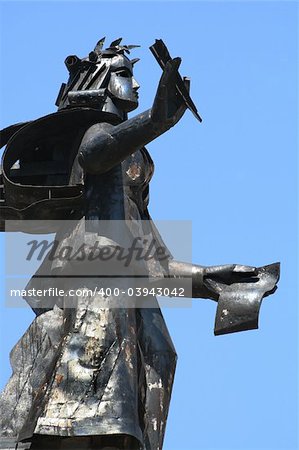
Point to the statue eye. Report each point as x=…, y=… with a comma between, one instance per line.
x=123, y=73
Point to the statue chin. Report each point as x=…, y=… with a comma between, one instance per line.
x=126, y=105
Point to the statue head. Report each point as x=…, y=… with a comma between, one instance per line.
x=103, y=80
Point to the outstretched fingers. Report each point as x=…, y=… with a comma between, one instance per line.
x=245, y=270
x=231, y=273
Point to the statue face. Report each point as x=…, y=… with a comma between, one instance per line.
x=122, y=85
x=92, y=78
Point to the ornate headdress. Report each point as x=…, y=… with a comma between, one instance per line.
x=89, y=76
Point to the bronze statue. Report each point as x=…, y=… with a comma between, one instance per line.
x=99, y=374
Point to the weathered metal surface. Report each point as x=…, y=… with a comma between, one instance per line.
x=92, y=376
x=239, y=304
x=113, y=375
x=32, y=360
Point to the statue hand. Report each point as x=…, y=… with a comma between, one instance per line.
x=229, y=273
x=215, y=276
x=168, y=105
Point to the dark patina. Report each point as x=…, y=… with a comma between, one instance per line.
x=93, y=377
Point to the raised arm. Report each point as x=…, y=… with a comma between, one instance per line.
x=104, y=145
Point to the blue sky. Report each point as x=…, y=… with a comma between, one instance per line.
x=234, y=176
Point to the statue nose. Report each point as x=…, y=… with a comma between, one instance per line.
x=136, y=86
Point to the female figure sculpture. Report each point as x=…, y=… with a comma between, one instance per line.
x=100, y=376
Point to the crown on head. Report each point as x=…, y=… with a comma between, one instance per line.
x=115, y=48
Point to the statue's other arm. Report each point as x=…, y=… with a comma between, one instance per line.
x=103, y=145
x=200, y=277
x=238, y=290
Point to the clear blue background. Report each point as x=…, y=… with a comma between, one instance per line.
x=234, y=176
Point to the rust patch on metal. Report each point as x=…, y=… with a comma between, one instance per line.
x=134, y=171
x=58, y=378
